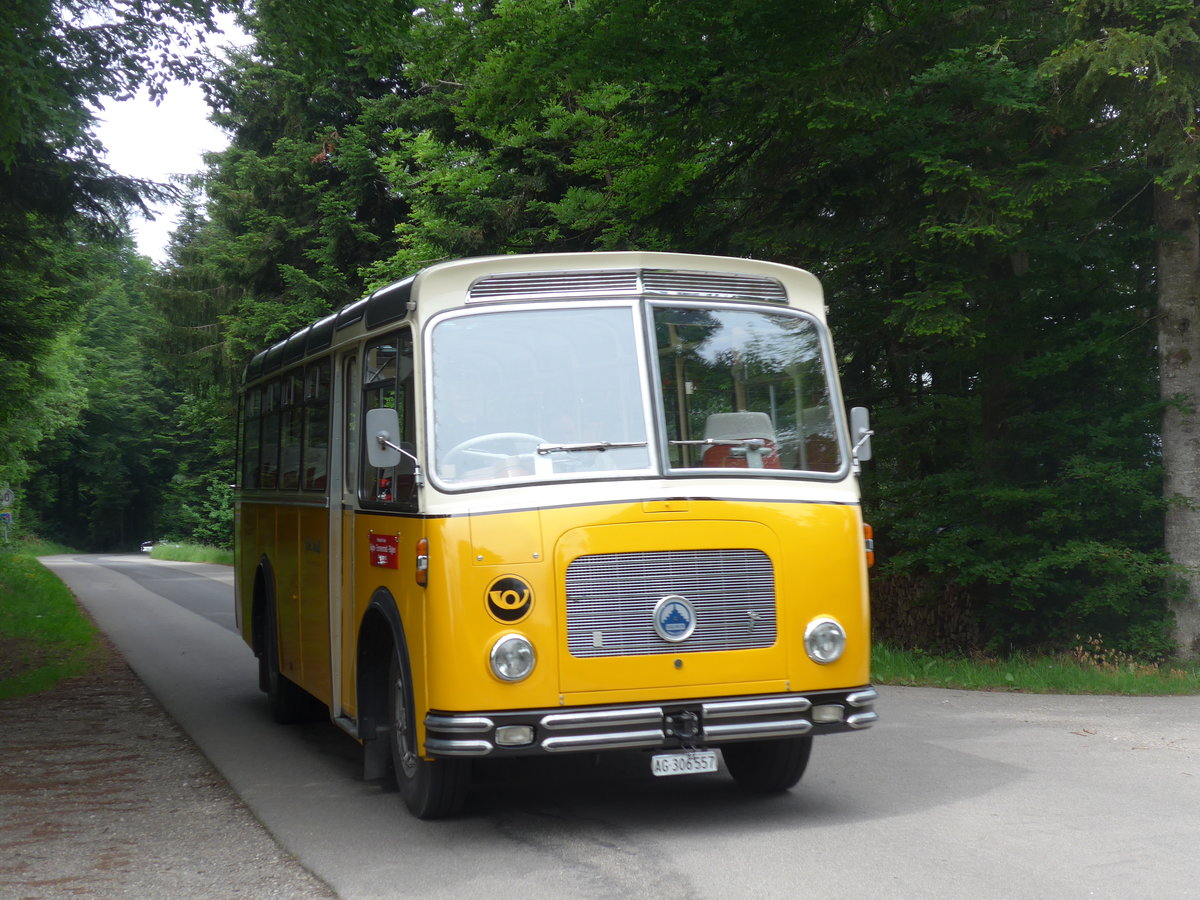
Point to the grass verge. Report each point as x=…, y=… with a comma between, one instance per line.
x=44, y=636
x=1087, y=669
x=202, y=553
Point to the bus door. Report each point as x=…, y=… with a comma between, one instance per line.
x=379, y=529
x=342, y=498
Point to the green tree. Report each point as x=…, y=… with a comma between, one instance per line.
x=196, y=444
x=1012, y=371
x=297, y=204
x=983, y=229
x=60, y=59
x=37, y=304
x=911, y=153
x=99, y=482
x=1137, y=63
x=598, y=125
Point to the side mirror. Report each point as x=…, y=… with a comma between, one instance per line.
x=383, y=437
x=860, y=433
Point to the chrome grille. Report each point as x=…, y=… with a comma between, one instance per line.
x=611, y=599
x=657, y=282
x=533, y=285
x=713, y=284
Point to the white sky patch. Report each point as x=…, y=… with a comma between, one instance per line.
x=159, y=142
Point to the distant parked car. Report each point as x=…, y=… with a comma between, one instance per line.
x=147, y=546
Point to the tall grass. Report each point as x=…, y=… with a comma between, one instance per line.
x=44, y=636
x=202, y=553
x=1089, y=668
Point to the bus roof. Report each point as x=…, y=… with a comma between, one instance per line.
x=615, y=273
x=499, y=279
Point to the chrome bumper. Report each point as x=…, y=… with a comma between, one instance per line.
x=699, y=723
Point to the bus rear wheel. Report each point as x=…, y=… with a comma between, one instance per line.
x=287, y=701
x=768, y=767
x=432, y=789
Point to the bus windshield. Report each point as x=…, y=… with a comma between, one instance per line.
x=744, y=389
x=537, y=393
x=554, y=392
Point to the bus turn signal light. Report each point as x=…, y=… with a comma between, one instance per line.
x=869, y=543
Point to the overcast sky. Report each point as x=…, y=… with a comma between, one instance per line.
x=158, y=142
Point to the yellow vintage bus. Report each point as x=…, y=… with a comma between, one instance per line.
x=561, y=503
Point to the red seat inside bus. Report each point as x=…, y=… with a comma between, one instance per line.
x=741, y=426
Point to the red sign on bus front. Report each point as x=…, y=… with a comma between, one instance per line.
x=385, y=550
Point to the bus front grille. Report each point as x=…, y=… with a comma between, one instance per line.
x=611, y=599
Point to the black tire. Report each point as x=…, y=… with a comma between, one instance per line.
x=432, y=789
x=287, y=701
x=768, y=767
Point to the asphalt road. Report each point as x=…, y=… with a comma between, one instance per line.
x=953, y=794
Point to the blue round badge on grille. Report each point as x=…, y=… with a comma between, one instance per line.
x=674, y=618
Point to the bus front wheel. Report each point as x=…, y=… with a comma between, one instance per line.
x=432, y=789
x=768, y=767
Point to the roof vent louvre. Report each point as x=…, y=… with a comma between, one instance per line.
x=713, y=284
x=527, y=285
x=653, y=282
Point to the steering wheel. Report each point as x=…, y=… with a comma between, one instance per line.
x=473, y=445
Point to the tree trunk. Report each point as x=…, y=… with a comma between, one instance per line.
x=1178, y=211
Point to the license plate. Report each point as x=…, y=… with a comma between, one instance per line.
x=684, y=763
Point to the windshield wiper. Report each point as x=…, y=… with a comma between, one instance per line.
x=748, y=443
x=588, y=446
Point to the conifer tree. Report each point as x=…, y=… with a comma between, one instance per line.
x=1137, y=64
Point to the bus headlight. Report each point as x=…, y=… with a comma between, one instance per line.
x=512, y=658
x=824, y=640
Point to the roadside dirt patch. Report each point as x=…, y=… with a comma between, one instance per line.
x=101, y=796
x=18, y=656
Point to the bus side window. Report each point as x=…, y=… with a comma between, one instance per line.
x=290, y=433
x=316, y=426
x=251, y=437
x=269, y=462
x=388, y=382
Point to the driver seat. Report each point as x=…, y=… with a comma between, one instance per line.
x=740, y=426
